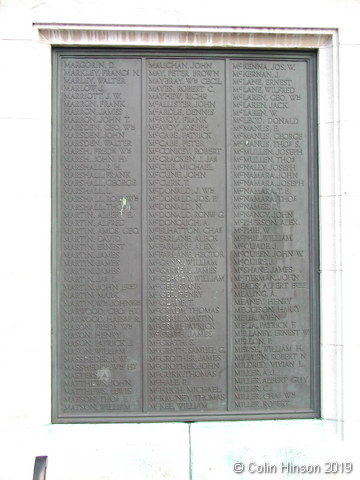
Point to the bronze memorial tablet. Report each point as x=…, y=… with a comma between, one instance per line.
x=185, y=235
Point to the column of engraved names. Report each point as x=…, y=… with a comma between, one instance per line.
x=186, y=235
x=270, y=269
x=100, y=229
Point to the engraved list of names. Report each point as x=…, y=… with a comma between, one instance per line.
x=185, y=236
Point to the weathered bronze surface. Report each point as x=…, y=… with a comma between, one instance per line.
x=185, y=264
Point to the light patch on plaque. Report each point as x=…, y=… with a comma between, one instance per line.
x=104, y=375
x=124, y=205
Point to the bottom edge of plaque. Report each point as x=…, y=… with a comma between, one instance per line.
x=154, y=418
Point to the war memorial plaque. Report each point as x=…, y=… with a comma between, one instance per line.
x=185, y=244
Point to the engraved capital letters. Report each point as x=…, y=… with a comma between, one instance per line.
x=185, y=264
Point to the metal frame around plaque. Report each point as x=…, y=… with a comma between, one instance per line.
x=185, y=265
